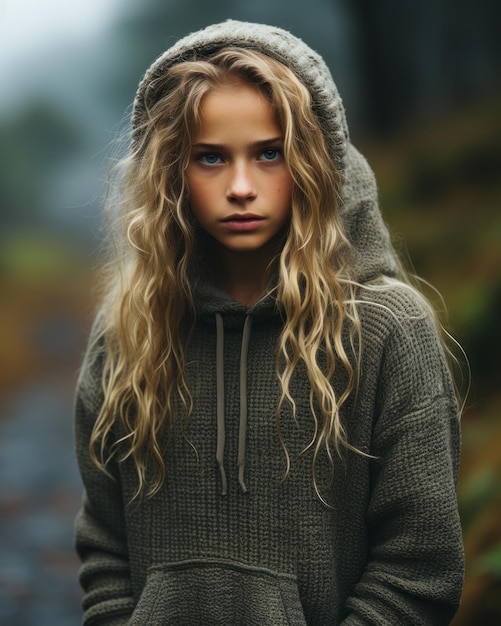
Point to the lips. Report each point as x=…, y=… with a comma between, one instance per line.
x=243, y=221
x=242, y=217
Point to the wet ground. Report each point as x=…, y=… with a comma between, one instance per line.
x=39, y=495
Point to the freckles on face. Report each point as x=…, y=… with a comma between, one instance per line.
x=239, y=184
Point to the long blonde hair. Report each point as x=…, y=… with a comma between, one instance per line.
x=145, y=310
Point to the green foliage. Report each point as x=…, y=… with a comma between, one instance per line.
x=489, y=563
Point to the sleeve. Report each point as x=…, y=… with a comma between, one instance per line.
x=414, y=572
x=100, y=535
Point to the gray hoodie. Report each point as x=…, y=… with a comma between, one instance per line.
x=226, y=540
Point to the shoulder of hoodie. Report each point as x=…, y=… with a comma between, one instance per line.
x=393, y=312
x=402, y=341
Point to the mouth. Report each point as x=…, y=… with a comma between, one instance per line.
x=243, y=221
x=243, y=217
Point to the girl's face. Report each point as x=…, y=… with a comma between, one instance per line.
x=240, y=187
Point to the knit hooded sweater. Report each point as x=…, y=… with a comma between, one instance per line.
x=228, y=540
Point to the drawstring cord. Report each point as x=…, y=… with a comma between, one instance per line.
x=220, y=402
x=242, y=430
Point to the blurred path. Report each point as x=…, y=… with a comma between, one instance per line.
x=39, y=496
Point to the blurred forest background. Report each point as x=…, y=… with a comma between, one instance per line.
x=421, y=84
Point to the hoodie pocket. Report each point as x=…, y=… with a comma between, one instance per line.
x=192, y=593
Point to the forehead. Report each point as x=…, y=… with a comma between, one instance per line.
x=236, y=109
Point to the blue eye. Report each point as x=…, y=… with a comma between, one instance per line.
x=209, y=158
x=271, y=154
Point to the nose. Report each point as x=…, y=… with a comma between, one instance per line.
x=241, y=184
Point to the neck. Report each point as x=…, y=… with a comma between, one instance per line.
x=243, y=275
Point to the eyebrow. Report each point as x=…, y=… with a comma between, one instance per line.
x=254, y=144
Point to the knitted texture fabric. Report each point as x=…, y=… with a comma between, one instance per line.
x=383, y=547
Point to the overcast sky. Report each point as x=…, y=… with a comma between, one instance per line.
x=28, y=27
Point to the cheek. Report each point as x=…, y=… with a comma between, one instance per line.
x=202, y=187
x=201, y=201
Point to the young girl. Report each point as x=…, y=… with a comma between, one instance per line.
x=266, y=425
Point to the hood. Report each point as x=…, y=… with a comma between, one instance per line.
x=364, y=226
